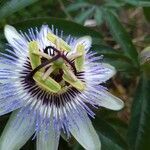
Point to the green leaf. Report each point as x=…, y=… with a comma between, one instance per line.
x=68, y=27
x=122, y=66
x=141, y=3
x=116, y=58
x=118, y=125
x=76, y=6
x=98, y=16
x=114, y=3
x=147, y=13
x=110, y=138
x=84, y=15
x=12, y=6
x=109, y=52
x=121, y=36
x=139, y=127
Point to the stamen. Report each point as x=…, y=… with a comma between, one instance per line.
x=52, y=38
x=43, y=55
x=79, y=61
x=48, y=72
x=58, y=43
x=62, y=56
x=74, y=55
x=31, y=74
x=48, y=65
x=69, y=73
x=70, y=63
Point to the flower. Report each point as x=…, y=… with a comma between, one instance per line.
x=49, y=83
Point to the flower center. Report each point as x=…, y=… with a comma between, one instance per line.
x=53, y=69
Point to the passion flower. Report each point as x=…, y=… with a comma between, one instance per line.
x=51, y=82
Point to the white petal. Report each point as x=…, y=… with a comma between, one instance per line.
x=108, y=71
x=110, y=101
x=42, y=37
x=85, y=134
x=15, y=136
x=86, y=41
x=13, y=37
x=11, y=98
x=47, y=139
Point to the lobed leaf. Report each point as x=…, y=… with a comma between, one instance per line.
x=98, y=16
x=141, y=3
x=76, y=6
x=84, y=15
x=121, y=36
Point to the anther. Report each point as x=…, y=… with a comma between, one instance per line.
x=62, y=56
x=31, y=74
x=59, y=54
